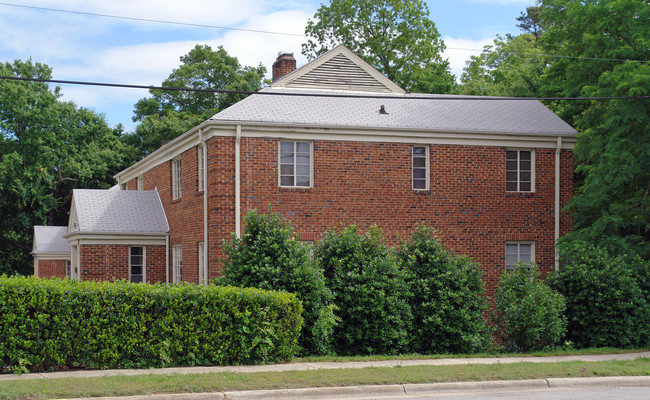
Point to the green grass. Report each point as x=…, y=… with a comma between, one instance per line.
x=221, y=382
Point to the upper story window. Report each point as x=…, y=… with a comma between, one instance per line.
x=420, y=167
x=295, y=164
x=177, y=262
x=136, y=264
x=517, y=252
x=520, y=170
x=176, y=179
x=201, y=169
x=139, y=183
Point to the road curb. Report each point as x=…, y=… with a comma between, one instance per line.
x=402, y=390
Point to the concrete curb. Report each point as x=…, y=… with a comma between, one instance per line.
x=404, y=390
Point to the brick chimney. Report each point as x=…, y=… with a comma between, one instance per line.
x=283, y=65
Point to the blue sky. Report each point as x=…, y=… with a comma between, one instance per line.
x=93, y=48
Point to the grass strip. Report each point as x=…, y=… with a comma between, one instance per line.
x=221, y=382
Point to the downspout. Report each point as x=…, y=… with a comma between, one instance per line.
x=167, y=259
x=204, y=149
x=237, y=182
x=558, y=149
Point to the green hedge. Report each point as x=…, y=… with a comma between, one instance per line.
x=51, y=323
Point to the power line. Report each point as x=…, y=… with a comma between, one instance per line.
x=393, y=97
x=150, y=20
x=276, y=33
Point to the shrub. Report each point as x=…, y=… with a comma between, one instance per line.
x=50, y=323
x=447, y=298
x=528, y=314
x=605, y=305
x=369, y=291
x=267, y=257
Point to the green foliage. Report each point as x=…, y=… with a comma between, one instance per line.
x=528, y=314
x=511, y=67
x=167, y=114
x=47, y=148
x=394, y=36
x=611, y=208
x=447, y=298
x=50, y=323
x=268, y=257
x=605, y=305
x=369, y=291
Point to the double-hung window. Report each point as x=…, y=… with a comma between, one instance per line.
x=295, y=164
x=517, y=252
x=136, y=264
x=177, y=262
x=139, y=183
x=420, y=167
x=176, y=179
x=201, y=169
x=520, y=170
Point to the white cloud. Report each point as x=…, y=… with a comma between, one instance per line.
x=460, y=50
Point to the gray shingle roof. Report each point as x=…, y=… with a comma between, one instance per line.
x=119, y=211
x=49, y=239
x=412, y=111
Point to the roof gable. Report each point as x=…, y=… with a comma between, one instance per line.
x=338, y=69
x=117, y=211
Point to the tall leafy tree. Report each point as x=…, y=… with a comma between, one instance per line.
x=603, y=49
x=47, y=147
x=395, y=36
x=168, y=113
x=512, y=66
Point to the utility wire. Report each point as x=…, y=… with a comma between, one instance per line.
x=274, y=33
x=281, y=93
x=150, y=20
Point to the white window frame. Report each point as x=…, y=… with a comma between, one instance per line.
x=177, y=263
x=144, y=263
x=518, y=253
x=177, y=180
x=139, y=183
x=203, y=273
x=295, y=175
x=519, y=171
x=414, y=168
x=200, y=168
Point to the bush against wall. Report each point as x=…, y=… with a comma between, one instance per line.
x=528, y=314
x=369, y=292
x=52, y=323
x=605, y=304
x=447, y=297
x=268, y=257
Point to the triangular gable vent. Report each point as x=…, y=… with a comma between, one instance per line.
x=339, y=69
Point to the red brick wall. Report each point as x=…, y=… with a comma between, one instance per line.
x=109, y=262
x=370, y=183
x=51, y=268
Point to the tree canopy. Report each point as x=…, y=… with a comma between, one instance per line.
x=47, y=148
x=394, y=36
x=168, y=113
x=602, y=49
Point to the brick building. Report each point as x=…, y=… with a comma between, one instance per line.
x=336, y=142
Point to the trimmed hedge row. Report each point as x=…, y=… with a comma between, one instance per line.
x=52, y=323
